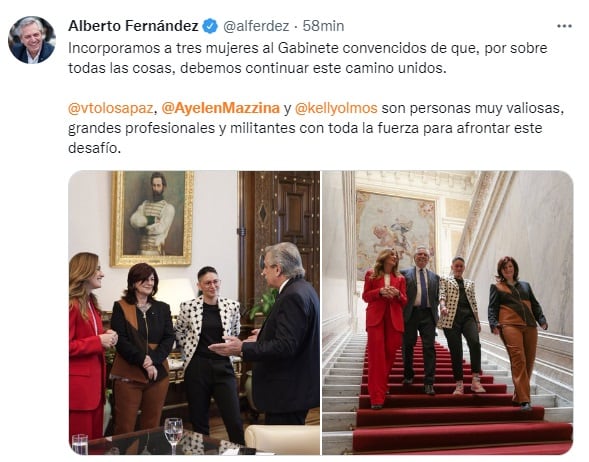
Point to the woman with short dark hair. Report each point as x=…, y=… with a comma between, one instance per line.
x=459, y=317
x=514, y=314
x=204, y=321
x=146, y=337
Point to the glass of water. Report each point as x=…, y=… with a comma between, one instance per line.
x=173, y=431
x=80, y=444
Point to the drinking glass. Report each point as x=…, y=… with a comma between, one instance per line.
x=80, y=444
x=173, y=431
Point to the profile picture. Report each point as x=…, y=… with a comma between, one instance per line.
x=31, y=40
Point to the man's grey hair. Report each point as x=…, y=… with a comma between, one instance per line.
x=287, y=256
x=28, y=21
x=422, y=247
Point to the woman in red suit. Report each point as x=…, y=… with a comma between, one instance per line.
x=385, y=293
x=88, y=340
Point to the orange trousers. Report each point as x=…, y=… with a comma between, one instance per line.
x=130, y=397
x=520, y=342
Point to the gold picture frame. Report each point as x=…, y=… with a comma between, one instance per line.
x=391, y=221
x=147, y=229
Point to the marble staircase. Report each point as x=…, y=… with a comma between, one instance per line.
x=341, y=387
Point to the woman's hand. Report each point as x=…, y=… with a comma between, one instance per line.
x=389, y=292
x=147, y=362
x=109, y=339
x=151, y=372
x=496, y=329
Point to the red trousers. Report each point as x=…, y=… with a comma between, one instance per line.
x=383, y=343
x=520, y=342
x=87, y=422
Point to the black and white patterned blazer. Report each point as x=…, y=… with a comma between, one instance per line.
x=189, y=323
x=450, y=292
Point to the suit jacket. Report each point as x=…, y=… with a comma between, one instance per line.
x=518, y=305
x=139, y=334
x=189, y=323
x=450, y=292
x=20, y=52
x=87, y=371
x=433, y=282
x=377, y=305
x=286, y=371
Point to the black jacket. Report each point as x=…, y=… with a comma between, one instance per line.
x=286, y=371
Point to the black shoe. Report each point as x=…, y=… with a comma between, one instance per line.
x=525, y=407
x=429, y=389
x=376, y=407
x=407, y=381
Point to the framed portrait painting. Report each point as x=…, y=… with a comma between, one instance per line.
x=385, y=221
x=151, y=218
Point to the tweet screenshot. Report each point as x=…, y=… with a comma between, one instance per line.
x=163, y=133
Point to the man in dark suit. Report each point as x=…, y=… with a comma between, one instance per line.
x=32, y=48
x=285, y=351
x=421, y=314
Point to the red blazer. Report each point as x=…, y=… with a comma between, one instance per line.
x=87, y=362
x=377, y=304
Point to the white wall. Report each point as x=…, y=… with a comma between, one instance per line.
x=534, y=224
x=334, y=288
x=214, y=237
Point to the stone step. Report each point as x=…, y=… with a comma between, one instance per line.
x=344, y=389
x=346, y=421
x=339, y=403
x=336, y=443
x=342, y=386
x=340, y=379
x=345, y=371
x=349, y=360
x=338, y=421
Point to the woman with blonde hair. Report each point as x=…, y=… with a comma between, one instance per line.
x=385, y=293
x=87, y=340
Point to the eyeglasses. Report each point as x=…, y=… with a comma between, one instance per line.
x=214, y=282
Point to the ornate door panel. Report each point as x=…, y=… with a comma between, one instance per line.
x=277, y=207
x=297, y=217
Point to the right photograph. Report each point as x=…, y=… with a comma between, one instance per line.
x=447, y=312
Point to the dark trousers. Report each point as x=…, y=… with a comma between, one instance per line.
x=205, y=378
x=469, y=328
x=421, y=321
x=286, y=418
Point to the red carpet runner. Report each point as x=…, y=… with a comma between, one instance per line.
x=485, y=423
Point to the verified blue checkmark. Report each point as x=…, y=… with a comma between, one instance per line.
x=210, y=26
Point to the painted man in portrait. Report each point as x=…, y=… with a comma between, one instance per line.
x=153, y=218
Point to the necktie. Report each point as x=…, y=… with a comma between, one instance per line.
x=423, y=289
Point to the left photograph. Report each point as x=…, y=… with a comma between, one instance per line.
x=194, y=314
